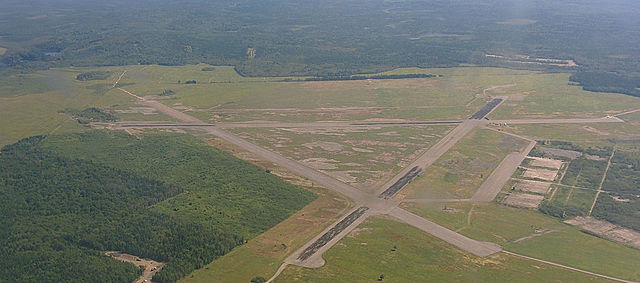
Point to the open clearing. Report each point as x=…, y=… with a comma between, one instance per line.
x=404, y=254
x=460, y=171
x=607, y=230
x=504, y=225
x=545, y=162
x=541, y=174
x=150, y=266
x=523, y=200
x=532, y=186
x=368, y=156
x=364, y=157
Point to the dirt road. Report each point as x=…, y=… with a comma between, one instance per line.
x=150, y=267
x=311, y=253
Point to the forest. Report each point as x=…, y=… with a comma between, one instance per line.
x=343, y=38
x=621, y=204
x=64, y=200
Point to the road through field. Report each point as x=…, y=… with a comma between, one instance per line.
x=377, y=205
x=434, y=152
x=369, y=204
x=501, y=175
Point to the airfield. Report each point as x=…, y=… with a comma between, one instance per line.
x=389, y=165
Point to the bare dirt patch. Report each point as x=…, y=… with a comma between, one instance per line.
x=560, y=152
x=3, y=50
x=523, y=200
x=607, y=230
x=357, y=149
x=542, y=174
x=533, y=186
x=546, y=162
x=150, y=267
x=320, y=163
x=328, y=146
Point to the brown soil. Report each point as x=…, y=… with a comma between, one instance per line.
x=523, y=200
x=542, y=174
x=533, y=186
x=150, y=267
x=607, y=230
x=546, y=162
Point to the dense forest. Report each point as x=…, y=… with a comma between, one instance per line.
x=621, y=204
x=342, y=38
x=62, y=207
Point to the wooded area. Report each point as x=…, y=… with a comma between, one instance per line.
x=337, y=38
x=66, y=199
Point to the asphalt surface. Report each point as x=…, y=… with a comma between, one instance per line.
x=501, y=175
x=477, y=248
x=329, y=235
x=310, y=255
x=486, y=109
x=403, y=181
x=434, y=152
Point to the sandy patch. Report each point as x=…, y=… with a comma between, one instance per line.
x=607, y=230
x=328, y=146
x=320, y=163
x=523, y=200
x=546, y=162
x=3, y=50
x=357, y=149
x=150, y=267
x=343, y=176
x=533, y=186
x=594, y=157
x=542, y=174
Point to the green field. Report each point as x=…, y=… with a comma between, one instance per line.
x=32, y=106
x=404, y=254
x=460, y=171
x=568, y=202
x=262, y=256
x=565, y=245
x=631, y=117
x=365, y=157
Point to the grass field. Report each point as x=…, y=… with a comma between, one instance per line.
x=460, y=171
x=566, y=244
x=365, y=157
x=262, y=256
x=29, y=103
x=584, y=173
x=550, y=95
x=404, y=254
x=579, y=200
x=631, y=117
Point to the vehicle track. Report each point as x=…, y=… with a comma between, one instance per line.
x=369, y=204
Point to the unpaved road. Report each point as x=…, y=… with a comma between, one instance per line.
x=374, y=204
x=150, y=267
